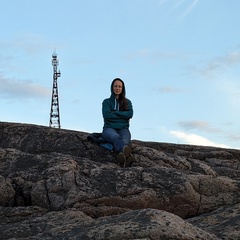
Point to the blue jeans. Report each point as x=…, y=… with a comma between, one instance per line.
x=118, y=137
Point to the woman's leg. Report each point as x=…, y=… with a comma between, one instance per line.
x=125, y=135
x=111, y=135
x=124, y=157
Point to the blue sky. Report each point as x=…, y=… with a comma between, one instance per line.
x=179, y=59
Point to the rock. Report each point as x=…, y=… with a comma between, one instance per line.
x=224, y=222
x=55, y=184
x=7, y=192
x=74, y=224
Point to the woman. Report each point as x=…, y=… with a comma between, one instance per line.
x=117, y=111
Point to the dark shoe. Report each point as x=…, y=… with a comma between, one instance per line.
x=127, y=151
x=121, y=159
x=130, y=160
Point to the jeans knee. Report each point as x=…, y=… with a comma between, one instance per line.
x=126, y=141
x=109, y=134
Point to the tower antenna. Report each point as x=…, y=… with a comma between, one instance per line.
x=54, y=114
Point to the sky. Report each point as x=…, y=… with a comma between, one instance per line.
x=179, y=59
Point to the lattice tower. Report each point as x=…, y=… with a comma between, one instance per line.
x=55, y=113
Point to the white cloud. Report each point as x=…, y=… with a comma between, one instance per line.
x=30, y=44
x=196, y=139
x=142, y=53
x=185, y=5
x=200, y=125
x=190, y=8
x=178, y=3
x=168, y=89
x=233, y=137
x=10, y=88
x=221, y=63
x=155, y=55
x=230, y=87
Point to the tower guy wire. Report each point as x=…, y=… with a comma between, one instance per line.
x=55, y=113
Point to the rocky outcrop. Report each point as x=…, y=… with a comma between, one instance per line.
x=55, y=184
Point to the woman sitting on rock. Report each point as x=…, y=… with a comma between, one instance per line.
x=117, y=111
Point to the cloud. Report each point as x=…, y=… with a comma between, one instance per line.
x=186, y=7
x=224, y=61
x=28, y=47
x=168, y=89
x=142, y=53
x=195, y=139
x=230, y=87
x=233, y=137
x=30, y=44
x=18, y=89
x=153, y=55
x=220, y=63
x=177, y=4
x=205, y=127
x=190, y=8
x=199, y=125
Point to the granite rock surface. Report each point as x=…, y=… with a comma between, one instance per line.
x=56, y=184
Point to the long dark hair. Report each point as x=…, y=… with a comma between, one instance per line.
x=123, y=102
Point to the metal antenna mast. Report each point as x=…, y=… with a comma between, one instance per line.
x=54, y=114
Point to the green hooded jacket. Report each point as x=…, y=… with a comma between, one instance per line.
x=113, y=117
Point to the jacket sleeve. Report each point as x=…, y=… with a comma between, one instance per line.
x=109, y=114
x=126, y=114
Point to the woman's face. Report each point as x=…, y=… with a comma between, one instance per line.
x=117, y=87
